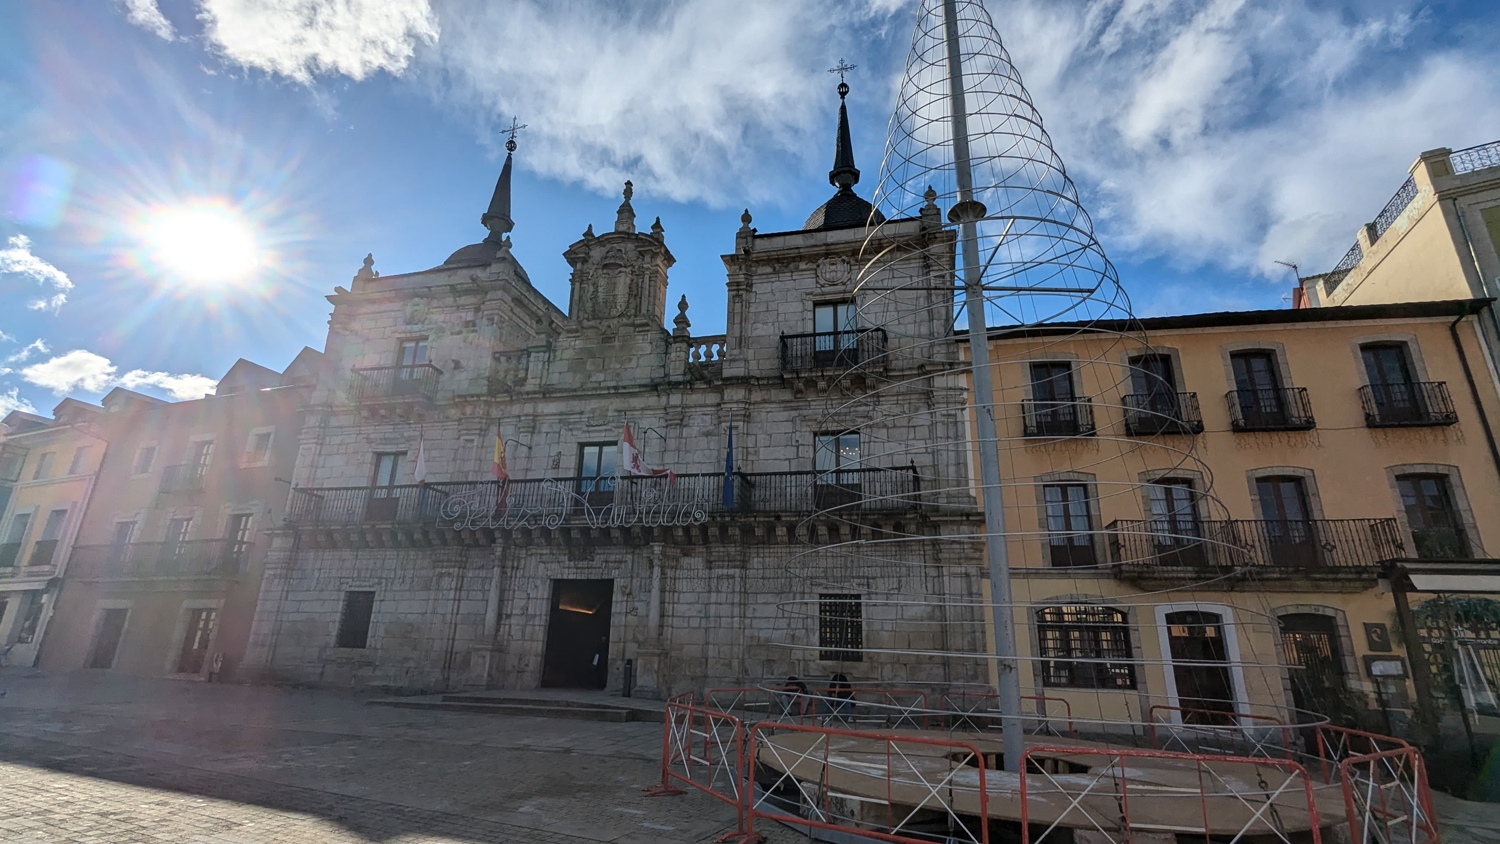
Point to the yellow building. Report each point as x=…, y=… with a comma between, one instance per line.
x=1219, y=511
x=53, y=464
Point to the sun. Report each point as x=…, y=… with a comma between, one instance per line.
x=203, y=242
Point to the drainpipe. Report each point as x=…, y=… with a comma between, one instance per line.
x=1484, y=419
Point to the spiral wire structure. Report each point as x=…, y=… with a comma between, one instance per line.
x=1075, y=407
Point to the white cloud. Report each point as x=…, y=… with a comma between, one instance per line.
x=180, y=387
x=35, y=347
x=84, y=371
x=11, y=400
x=76, y=370
x=18, y=260
x=146, y=15
x=1233, y=134
x=301, y=38
x=6, y=338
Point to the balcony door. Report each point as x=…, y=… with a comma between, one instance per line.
x=385, y=496
x=1175, y=528
x=200, y=631
x=837, y=482
x=10, y=551
x=1436, y=525
x=1257, y=384
x=597, y=464
x=836, y=334
x=44, y=552
x=1290, y=538
x=1054, y=403
x=1070, y=538
x=1392, y=388
x=1154, y=379
x=203, y=455
x=119, y=542
x=1200, y=666
x=237, y=541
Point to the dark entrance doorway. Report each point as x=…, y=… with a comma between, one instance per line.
x=577, y=654
x=200, y=629
x=111, y=628
x=1310, y=645
x=1200, y=665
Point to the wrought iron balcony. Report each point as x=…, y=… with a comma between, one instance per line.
x=192, y=558
x=1059, y=418
x=609, y=500
x=1413, y=405
x=43, y=553
x=9, y=551
x=1279, y=409
x=1149, y=414
x=384, y=383
x=1330, y=546
x=183, y=477
x=864, y=348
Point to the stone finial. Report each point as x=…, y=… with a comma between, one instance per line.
x=656, y=229
x=745, y=221
x=681, y=320
x=625, y=216
x=368, y=270
x=588, y=233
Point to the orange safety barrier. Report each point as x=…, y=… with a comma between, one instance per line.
x=889, y=708
x=715, y=767
x=1258, y=732
x=1100, y=799
x=759, y=701
x=867, y=770
x=967, y=704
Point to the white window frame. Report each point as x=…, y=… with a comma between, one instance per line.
x=1231, y=647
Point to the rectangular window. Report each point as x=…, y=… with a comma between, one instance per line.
x=354, y=621
x=178, y=531
x=1054, y=408
x=1070, y=538
x=1257, y=390
x=44, y=552
x=144, y=458
x=1152, y=375
x=385, y=496
x=1437, y=528
x=836, y=331
x=200, y=631
x=1085, y=647
x=237, y=536
x=596, y=467
x=838, y=482
x=119, y=541
x=202, y=458
x=10, y=550
x=409, y=355
x=387, y=469
x=43, y=466
x=1393, y=391
x=841, y=628
x=26, y=632
x=54, y=526
x=80, y=462
x=258, y=448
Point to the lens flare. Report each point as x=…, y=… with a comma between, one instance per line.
x=204, y=242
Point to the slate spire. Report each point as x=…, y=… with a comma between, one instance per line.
x=497, y=217
x=844, y=174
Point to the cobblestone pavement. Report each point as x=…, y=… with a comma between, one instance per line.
x=94, y=758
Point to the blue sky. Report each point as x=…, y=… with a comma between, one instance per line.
x=1209, y=138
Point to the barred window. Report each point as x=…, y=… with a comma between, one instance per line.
x=841, y=628
x=1079, y=644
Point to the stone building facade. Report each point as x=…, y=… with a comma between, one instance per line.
x=406, y=564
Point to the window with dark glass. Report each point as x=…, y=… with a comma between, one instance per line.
x=202, y=458
x=10, y=551
x=411, y=353
x=836, y=333
x=1154, y=378
x=385, y=497
x=1257, y=384
x=354, y=620
x=837, y=481
x=841, y=630
x=1392, y=388
x=1054, y=403
x=1437, y=528
x=1070, y=538
x=43, y=466
x=1287, y=520
x=237, y=534
x=597, y=465
x=144, y=458
x=26, y=630
x=178, y=531
x=44, y=552
x=1085, y=647
x=119, y=541
x=1175, y=527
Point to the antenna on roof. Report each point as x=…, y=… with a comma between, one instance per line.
x=1295, y=268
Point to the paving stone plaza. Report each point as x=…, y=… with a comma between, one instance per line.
x=102, y=759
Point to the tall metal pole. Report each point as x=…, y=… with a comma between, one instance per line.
x=966, y=213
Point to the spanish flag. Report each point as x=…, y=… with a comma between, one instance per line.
x=498, y=468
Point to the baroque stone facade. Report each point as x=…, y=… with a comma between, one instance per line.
x=564, y=573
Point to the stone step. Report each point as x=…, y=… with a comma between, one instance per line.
x=533, y=708
x=523, y=700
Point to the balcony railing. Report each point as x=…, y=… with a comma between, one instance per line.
x=192, y=558
x=9, y=551
x=1475, y=158
x=564, y=499
x=1279, y=409
x=376, y=383
x=1314, y=545
x=1148, y=414
x=183, y=477
x=1058, y=418
x=43, y=553
x=1417, y=404
x=865, y=348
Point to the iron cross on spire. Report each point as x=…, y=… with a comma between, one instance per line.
x=843, y=68
x=515, y=126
